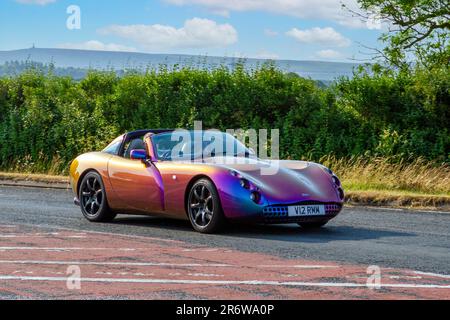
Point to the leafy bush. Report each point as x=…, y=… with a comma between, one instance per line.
x=46, y=120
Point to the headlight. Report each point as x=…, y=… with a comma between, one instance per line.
x=235, y=173
x=336, y=181
x=255, y=192
x=341, y=193
x=255, y=196
x=245, y=183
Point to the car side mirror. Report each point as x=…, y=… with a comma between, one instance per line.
x=138, y=154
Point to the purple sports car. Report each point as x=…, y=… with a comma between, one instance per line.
x=207, y=181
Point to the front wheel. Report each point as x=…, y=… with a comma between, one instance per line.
x=203, y=207
x=92, y=195
x=312, y=225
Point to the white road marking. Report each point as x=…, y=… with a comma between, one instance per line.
x=228, y=282
x=101, y=233
x=41, y=235
x=111, y=263
x=68, y=248
x=299, y=266
x=388, y=209
x=119, y=263
x=201, y=250
x=445, y=276
x=412, y=210
x=204, y=275
x=405, y=277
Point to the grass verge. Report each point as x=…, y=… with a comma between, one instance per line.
x=396, y=199
x=33, y=177
x=386, y=175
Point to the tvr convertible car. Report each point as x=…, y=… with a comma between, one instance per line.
x=137, y=173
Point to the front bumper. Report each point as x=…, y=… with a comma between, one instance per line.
x=76, y=201
x=279, y=213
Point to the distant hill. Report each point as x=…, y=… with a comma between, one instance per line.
x=75, y=61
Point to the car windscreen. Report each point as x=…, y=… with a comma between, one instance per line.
x=189, y=145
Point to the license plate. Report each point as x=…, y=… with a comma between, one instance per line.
x=306, y=211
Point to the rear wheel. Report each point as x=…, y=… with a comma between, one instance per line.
x=92, y=195
x=204, y=209
x=312, y=225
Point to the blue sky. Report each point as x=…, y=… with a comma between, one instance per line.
x=278, y=29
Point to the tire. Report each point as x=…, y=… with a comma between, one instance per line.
x=93, y=202
x=312, y=225
x=204, y=208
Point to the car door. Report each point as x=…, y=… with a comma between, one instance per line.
x=138, y=186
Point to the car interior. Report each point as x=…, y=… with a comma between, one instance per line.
x=136, y=143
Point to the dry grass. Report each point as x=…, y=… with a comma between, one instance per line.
x=418, y=177
x=398, y=199
x=45, y=178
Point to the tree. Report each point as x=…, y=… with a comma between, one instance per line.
x=417, y=30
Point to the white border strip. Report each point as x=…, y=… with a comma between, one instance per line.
x=299, y=266
x=111, y=263
x=227, y=282
x=431, y=274
x=98, y=232
x=68, y=248
x=120, y=263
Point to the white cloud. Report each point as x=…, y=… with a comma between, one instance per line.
x=195, y=33
x=38, y=2
x=270, y=33
x=374, y=22
x=96, y=45
x=323, y=36
x=329, y=54
x=305, y=9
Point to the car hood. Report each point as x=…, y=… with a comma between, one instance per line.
x=283, y=181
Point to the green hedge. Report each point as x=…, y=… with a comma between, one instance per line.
x=45, y=120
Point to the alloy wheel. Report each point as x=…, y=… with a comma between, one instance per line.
x=91, y=196
x=201, y=205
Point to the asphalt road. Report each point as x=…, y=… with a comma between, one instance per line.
x=359, y=235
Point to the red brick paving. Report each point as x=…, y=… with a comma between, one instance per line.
x=34, y=262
